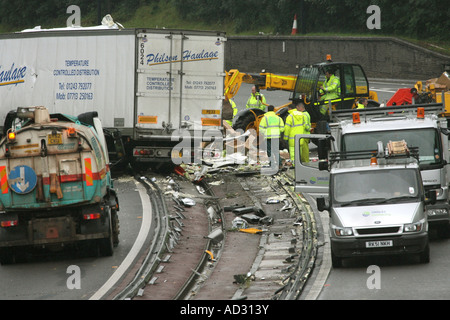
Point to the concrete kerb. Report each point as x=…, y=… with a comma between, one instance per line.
x=310, y=244
x=322, y=258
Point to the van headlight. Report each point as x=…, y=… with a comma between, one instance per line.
x=414, y=227
x=343, y=232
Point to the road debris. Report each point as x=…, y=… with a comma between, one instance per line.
x=236, y=153
x=239, y=223
x=251, y=230
x=276, y=199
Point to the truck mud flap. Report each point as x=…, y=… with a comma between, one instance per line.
x=13, y=236
x=58, y=229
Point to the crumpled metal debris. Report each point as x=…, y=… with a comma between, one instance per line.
x=287, y=205
x=251, y=218
x=188, y=202
x=244, y=210
x=276, y=199
x=232, y=207
x=216, y=235
x=266, y=220
x=237, y=154
x=239, y=223
x=200, y=189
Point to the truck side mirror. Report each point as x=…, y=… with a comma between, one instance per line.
x=430, y=197
x=321, y=205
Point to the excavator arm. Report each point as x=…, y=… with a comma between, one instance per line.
x=264, y=80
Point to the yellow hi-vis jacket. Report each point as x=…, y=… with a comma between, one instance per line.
x=271, y=125
x=332, y=90
x=297, y=122
x=256, y=101
x=235, y=111
x=307, y=119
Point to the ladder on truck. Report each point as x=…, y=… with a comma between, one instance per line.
x=394, y=150
x=419, y=110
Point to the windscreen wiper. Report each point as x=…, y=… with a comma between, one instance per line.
x=402, y=198
x=364, y=201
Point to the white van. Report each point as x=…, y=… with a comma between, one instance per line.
x=376, y=205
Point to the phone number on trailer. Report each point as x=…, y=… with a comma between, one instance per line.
x=75, y=96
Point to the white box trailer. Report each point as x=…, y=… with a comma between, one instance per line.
x=155, y=86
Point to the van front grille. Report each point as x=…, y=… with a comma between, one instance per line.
x=381, y=230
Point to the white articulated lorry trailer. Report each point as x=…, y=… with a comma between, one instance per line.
x=157, y=87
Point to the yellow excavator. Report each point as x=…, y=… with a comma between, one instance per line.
x=303, y=87
x=434, y=93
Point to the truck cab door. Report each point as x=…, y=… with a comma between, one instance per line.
x=312, y=177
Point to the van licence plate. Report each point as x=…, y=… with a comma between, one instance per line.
x=379, y=244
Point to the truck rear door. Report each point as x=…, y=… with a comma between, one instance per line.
x=179, y=80
x=308, y=178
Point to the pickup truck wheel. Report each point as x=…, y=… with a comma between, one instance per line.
x=336, y=261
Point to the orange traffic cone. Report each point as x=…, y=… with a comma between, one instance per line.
x=294, y=25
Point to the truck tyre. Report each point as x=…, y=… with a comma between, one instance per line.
x=115, y=227
x=373, y=104
x=247, y=120
x=106, y=245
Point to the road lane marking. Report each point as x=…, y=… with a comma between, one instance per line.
x=137, y=246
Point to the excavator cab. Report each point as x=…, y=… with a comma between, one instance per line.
x=353, y=85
